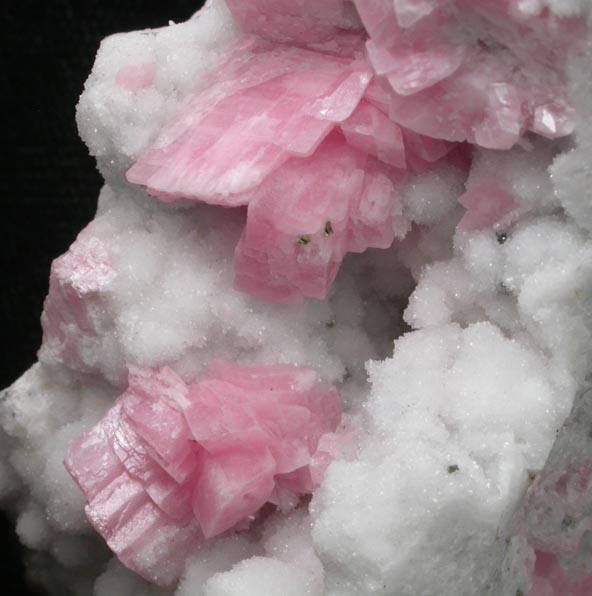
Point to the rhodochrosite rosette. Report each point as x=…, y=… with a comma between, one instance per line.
x=291, y=186
x=171, y=465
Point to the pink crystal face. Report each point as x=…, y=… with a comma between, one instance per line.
x=487, y=202
x=305, y=21
x=312, y=123
x=555, y=521
x=485, y=71
x=135, y=77
x=74, y=307
x=291, y=138
x=550, y=579
x=342, y=202
x=564, y=497
x=265, y=104
x=171, y=465
x=277, y=126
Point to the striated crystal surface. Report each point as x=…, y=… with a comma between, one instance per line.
x=324, y=335
x=483, y=71
x=172, y=464
x=277, y=95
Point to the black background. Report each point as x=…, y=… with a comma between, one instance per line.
x=48, y=182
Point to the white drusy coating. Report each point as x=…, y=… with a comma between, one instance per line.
x=492, y=344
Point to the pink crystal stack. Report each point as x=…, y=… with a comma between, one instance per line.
x=318, y=113
x=172, y=464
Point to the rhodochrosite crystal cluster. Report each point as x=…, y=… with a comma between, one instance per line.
x=329, y=333
x=314, y=126
x=167, y=455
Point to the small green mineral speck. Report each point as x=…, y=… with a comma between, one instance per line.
x=328, y=229
x=330, y=324
x=502, y=237
x=347, y=375
x=303, y=239
x=519, y=593
x=453, y=468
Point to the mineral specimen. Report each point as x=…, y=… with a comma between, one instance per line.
x=289, y=187
x=171, y=464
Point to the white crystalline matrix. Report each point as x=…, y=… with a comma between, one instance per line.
x=329, y=333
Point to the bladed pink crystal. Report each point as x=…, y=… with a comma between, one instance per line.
x=312, y=121
x=487, y=202
x=293, y=247
x=266, y=103
x=305, y=21
x=370, y=130
x=265, y=134
x=434, y=73
x=171, y=464
x=485, y=71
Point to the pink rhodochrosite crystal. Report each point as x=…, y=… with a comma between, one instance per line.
x=550, y=579
x=171, y=464
x=75, y=303
x=266, y=103
x=451, y=81
x=255, y=135
x=556, y=517
x=342, y=201
x=428, y=429
x=303, y=21
x=261, y=139
x=487, y=202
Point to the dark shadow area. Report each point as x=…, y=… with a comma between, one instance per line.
x=13, y=583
